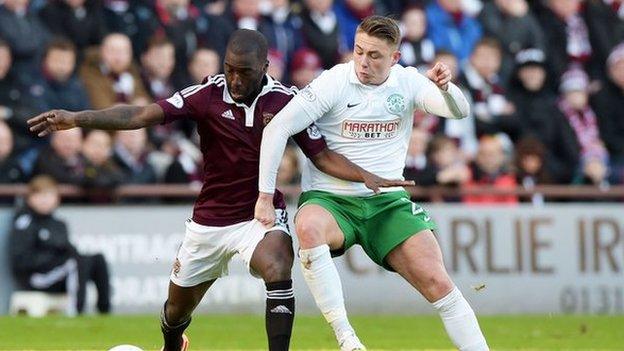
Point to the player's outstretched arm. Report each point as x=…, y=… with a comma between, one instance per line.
x=443, y=98
x=115, y=118
x=338, y=166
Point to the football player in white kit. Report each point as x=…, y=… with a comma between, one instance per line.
x=364, y=109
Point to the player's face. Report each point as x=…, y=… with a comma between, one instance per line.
x=373, y=58
x=243, y=75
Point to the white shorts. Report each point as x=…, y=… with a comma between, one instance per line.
x=206, y=251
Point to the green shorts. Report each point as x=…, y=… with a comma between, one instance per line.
x=378, y=223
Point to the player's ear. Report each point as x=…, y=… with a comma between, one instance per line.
x=396, y=56
x=266, y=66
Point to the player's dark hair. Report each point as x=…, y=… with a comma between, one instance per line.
x=60, y=43
x=245, y=41
x=381, y=27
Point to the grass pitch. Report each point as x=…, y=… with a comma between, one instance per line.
x=244, y=332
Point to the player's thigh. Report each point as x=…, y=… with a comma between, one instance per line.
x=419, y=260
x=316, y=226
x=272, y=258
x=181, y=301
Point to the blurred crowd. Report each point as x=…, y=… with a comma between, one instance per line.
x=545, y=80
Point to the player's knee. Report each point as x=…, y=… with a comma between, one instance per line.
x=438, y=286
x=309, y=234
x=279, y=269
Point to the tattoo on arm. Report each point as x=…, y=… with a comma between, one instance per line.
x=114, y=118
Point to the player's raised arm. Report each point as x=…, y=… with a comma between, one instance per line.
x=443, y=98
x=114, y=118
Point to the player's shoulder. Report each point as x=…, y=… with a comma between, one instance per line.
x=407, y=76
x=278, y=88
x=339, y=71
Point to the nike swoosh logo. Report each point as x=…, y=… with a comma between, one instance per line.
x=353, y=105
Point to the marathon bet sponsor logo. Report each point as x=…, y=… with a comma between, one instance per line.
x=395, y=104
x=176, y=100
x=370, y=130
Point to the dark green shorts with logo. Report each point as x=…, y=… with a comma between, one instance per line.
x=378, y=223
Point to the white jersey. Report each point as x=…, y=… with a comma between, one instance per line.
x=369, y=124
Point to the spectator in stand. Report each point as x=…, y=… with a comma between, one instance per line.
x=26, y=36
x=306, y=65
x=450, y=28
x=530, y=92
x=568, y=37
x=515, y=27
x=110, y=75
x=10, y=170
x=491, y=167
x=276, y=69
x=574, y=105
x=609, y=105
x=101, y=172
x=445, y=164
x=204, y=63
x=135, y=19
x=16, y=103
x=493, y=112
x=59, y=87
x=605, y=21
x=43, y=259
x=244, y=14
x=62, y=160
x=131, y=155
x=79, y=20
x=416, y=49
x=158, y=62
x=350, y=13
x=282, y=28
x=416, y=159
x=320, y=30
x=462, y=130
x=530, y=162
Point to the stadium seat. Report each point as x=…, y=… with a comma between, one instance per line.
x=36, y=303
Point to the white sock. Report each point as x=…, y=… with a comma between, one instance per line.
x=460, y=322
x=324, y=283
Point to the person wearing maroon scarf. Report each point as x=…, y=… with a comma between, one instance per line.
x=493, y=111
x=574, y=105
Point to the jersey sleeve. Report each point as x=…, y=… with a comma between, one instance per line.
x=186, y=103
x=431, y=99
x=311, y=141
x=319, y=96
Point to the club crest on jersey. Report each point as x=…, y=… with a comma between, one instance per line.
x=395, y=104
x=176, y=100
x=267, y=117
x=313, y=132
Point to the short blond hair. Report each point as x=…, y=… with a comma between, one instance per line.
x=42, y=183
x=381, y=27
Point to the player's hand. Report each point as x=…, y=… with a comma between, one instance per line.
x=51, y=121
x=265, y=212
x=374, y=182
x=441, y=75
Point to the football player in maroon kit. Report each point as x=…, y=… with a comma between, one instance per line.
x=231, y=111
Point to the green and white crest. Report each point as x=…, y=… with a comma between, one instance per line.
x=395, y=104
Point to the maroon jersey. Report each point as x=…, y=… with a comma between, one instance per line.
x=230, y=135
